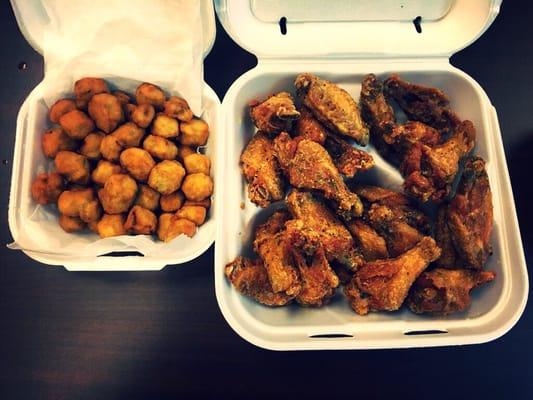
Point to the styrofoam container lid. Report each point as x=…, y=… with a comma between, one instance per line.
x=32, y=20
x=362, y=28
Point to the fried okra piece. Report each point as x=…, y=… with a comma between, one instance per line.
x=110, y=148
x=143, y=114
x=160, y=147
x=71, y=224
x=106, y=111
x=147, y=93
x=111, y=225
x=165, y=126
x=194, y=214
x=73, y=166
x=86, y=88
x=70, y=202
x=46, y=188
x=184, y=151
x=176, y=107
x=195, y=163
x=171, y=202
x=104, y=169
x=332, y=106
x=137, y=162
x=76, y=124
x=275, y=114
x=60, y=108
x=147, y=197
x=194, y=133
x=91, y=211
x=118, y=194
x=250, y=278
x=91, y=145
x=122, y=97
x=141, y=221
x=445, y=291
x=55, y=140
x=197, y=187
x=171, y=226
x=129, y=135
x=166, y=177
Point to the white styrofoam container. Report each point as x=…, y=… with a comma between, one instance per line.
x=331, y=50
x=28, y=159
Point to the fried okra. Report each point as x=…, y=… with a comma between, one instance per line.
x=91, y=211
x=106, y=111
x=70, y=202
x=137, y=162
x=171, y=202
x=171, y=226
x=76, y=124
x=110, y=148
x=197, y=187
x=86, y=88
x=160, y=147
x=194, y=214
x=122, y=97
x=111, y=225
x=194, y=132
x=166, y=177
x=91, y=145
x=60, y=108
x=118, y=194
x=176, y=107
x=141, y=221
x=147, y=93
x=196, y=162
x=73, y=166
x=143, y=114
x=104, y=169
x=71, y=224
x=46, y=188
x=147, y=197
x=129, y=135
x=55, y=140
x=165, y=126
x=184, y=151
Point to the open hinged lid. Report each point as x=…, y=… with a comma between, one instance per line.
x=355, y=28
x=33, y=20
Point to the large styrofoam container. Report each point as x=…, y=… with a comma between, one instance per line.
x=343, y=51
x=28, y=160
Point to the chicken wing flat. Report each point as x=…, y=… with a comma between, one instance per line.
x=318, y=279
x=384, y=284
x=275, y=114
x=403, y=137
x=448, y=257
x=465, y=225
x=309, y=166
x=421, y=103
x=376, y=112
x=314, y=225
x=250, y=278
x=445, y=291
x=398, y=234
x=370, y=243
x=261, y=170
x=429, y=171
x=274, y=247
x=332, y=106
x=348, y=159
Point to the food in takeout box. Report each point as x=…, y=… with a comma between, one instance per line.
x=382, y=245
x=126, y=164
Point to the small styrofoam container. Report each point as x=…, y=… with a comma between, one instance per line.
x=332, y=51
x=28, y=160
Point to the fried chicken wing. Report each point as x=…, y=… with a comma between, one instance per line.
x=250, y=278
x=372, y=245
x=384, y=284
x=314, y=225
x=275, y=114
x=308, y=127
x=429, y=171
x=398, y=234
x=403, y=137
x=318, y=279
x=274, y=247
x=261, y=169
x=376, y=112
x=421, y=103
x=309, y=166
x=332, y=106
x=465, y=225
x=445, y=291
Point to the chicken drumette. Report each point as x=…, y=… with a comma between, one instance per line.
x=464, y=226
x=384, y=284
x=309, y=166
x=332, y=106
x=275, y=114
x=261, y=169
x=445, y=291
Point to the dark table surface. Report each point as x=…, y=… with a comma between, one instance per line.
x=157, y=335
